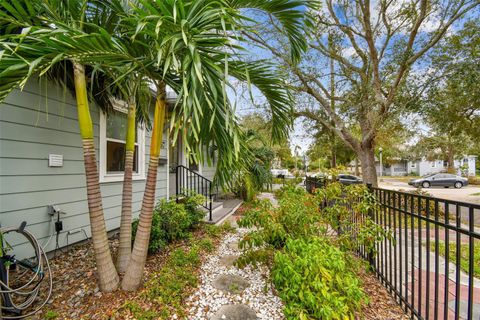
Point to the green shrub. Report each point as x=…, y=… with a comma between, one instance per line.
x=315, y=281
x=297, y=216
x=348, y=211
x=192, y=205
x=172, y=221
x=474, y=180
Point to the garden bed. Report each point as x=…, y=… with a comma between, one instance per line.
x=178, y=284
x=381, y=304
x=314, y=271
x=76, y=294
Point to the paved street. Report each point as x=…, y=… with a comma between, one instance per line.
x=469, y=194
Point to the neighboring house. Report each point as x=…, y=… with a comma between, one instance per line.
x=394, y=167
x=41, y=163
x=465, y=165
x=402, y=167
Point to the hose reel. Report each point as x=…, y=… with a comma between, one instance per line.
x=21, y=279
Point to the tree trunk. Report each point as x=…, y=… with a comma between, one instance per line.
x=334, y=155
x=451, y=159
x=125, y=246
x=134, y=273
x=367, y=161
x=107, y=275
x=357, y=170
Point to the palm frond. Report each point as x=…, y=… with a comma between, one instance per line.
x=269, y=81
x=291, y=14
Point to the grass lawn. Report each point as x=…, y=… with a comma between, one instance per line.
x=464, y=254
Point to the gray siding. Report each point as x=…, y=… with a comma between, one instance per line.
x=33, y=124
x=208, y=171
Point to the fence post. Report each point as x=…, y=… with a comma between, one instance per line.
x=370, y=256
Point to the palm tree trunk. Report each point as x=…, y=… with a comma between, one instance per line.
x=107, y=275
x=134, y=273
x=125, y=246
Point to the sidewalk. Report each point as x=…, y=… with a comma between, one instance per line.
x=416, y=276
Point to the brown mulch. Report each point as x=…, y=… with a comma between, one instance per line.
x=382, y=305
x=75, y=292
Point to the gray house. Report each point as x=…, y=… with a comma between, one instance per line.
x=463, y=166
x=395, y=167
x=420, y=167
x=41, y=164
x=402, y=167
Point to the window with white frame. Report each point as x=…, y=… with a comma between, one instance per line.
x=113, y=130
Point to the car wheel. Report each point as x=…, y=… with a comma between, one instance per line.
x=458, y=185
x=425, y=184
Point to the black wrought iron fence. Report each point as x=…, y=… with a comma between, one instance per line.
x=431, y=262
x=312, y=183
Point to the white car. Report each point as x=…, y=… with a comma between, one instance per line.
x=278, y=172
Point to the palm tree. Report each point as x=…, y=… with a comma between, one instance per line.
x=108, y=277
x=125, y=242
x=188, y=45
x=75, y=14
x=196, y=42
x=134, y=271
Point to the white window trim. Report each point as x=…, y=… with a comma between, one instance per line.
x=116, y=177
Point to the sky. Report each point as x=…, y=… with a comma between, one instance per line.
x=299, y=135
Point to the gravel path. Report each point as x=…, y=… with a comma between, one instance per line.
x=227, y=292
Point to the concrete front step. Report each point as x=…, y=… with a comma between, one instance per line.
x=222, y=211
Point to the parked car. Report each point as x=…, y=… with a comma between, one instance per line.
x=348, y=179
x=280, y=173
x=439, y=180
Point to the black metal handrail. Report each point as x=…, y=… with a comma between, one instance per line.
x=188, y=181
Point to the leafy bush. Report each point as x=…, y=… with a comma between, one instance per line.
x=289, y=181
x=310, y=264
x=172, y=221
x=316, y=281
x=347, y=211
x=297, y=216
x=192, y=204
x=474, y=180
